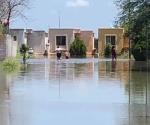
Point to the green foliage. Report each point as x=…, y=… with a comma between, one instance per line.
x=124, y=55
x=20, y=56
x=107, y=51
x=133, y=16
x=78, y=48
x=135, y=19
x=10, y=65
x=23, y=50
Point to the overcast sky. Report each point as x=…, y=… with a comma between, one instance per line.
x=84, y=14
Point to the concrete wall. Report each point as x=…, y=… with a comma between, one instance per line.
x=69, y=33
x=36, y=41
x=8, y=47
x=14, y=46
x=2, y=47
x=102, y=33
x=47, y=45
x=88, y=38
x=20, y=36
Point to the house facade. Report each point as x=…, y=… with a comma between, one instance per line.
x=64, y=37
x=40, y=41
x=18, y=35
x=36, y=40
x=114, y=37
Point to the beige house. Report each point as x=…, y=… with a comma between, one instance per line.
x=88, y=38
x=113, y=36
x=64, y=37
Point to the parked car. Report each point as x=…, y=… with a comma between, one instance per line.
x=30, y=51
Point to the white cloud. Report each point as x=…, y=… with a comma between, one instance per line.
x=77, y=3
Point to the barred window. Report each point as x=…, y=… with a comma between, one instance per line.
x=60, y=40
x=111, y=40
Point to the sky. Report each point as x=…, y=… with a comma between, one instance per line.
x=83, y=14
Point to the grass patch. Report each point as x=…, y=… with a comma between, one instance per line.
x=10, y=65
x=28, y=56
x=124, y=55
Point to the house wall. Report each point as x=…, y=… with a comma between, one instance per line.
x=126, y=42
x=69, y=33
x=8, y=47
x=88, y=38
x=36, y=41
x=20, y=35
x=118, y=32
x=47, y=45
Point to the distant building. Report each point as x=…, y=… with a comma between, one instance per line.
x=64, y=37
x=40, y=41
x=112, y=36
x=36, y=40
x=18, y=35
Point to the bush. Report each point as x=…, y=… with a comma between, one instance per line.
x=78, y=48
x=124, y=55
x=10, y=65
x=107, y=51
x=139, y=55
x=23, y=50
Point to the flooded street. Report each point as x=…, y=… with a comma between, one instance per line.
x=76, y=92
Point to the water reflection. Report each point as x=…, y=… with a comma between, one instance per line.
x=5, y=81
x=76, y=92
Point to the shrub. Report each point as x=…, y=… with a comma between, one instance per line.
x=124, y=55
x=23, y=50
x=107, y=50
x=78, y=48
x=10, y=65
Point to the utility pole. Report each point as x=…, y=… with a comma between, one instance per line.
x=59, y=19
x=129, y=82
x=129, y=28
x=147, y=59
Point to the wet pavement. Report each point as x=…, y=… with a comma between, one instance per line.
x=76, y=92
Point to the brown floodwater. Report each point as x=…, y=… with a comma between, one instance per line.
x=76, y=92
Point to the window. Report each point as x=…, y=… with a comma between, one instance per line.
x=60, y=40
x=15, y=38
x=111, y=40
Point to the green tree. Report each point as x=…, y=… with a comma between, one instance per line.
x=78, y=48
x=23, y=50
x=134, y=17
